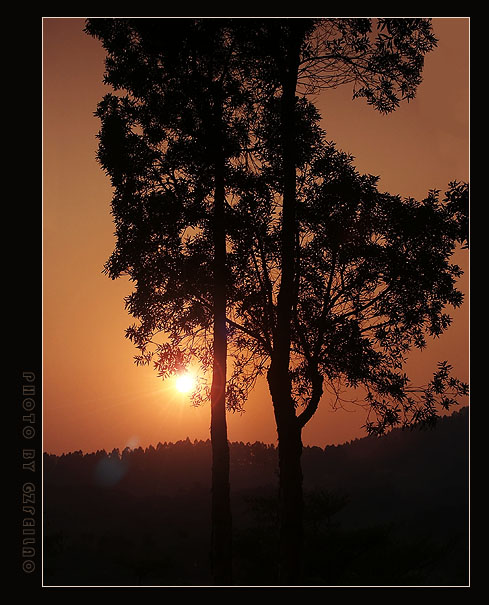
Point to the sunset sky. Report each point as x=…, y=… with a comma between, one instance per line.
x=94, y=396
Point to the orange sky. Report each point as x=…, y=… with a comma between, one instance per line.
x=94, y=397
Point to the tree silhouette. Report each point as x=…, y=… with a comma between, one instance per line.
x=227, y=196
x=372, y=277
x=295, y=57
x=167, y=139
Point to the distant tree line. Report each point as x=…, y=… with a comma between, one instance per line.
x=391, y=510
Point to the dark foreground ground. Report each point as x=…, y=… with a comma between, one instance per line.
x=379, y=512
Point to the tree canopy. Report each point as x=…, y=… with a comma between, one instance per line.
x=157, y=141
x=373, y=279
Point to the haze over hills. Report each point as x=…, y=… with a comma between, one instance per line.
x=390, y=510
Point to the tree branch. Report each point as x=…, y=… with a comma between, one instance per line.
x=317, y=391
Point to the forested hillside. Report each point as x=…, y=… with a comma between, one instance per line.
x=379, y=511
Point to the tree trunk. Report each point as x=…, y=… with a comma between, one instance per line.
x=221, y=504
x=288, y=428
x=290, y=481
x=291, y=505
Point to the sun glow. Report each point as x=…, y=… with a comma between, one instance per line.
x=185, y=383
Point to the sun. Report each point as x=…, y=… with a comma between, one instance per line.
x=185, y=383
